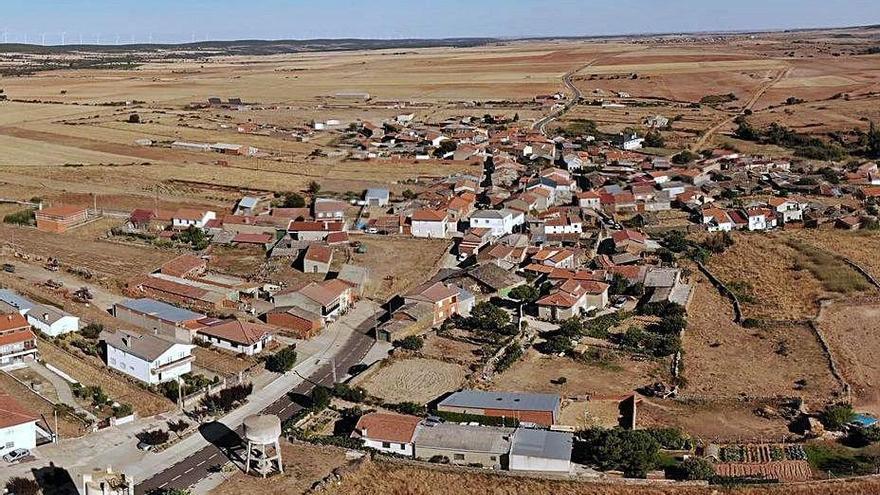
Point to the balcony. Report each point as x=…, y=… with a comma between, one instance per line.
x=171, y=365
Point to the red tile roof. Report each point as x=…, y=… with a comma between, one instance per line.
x=11, y=412
x=238, y=332
x=386, y=427
x=429, y=216
x=62, y=211
x=245, y=238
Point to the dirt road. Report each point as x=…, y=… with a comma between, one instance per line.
x=541, y=124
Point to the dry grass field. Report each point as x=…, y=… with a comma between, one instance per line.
x=851, y=333
x=725, y=360
x=398, y=264
x=67, y=427
x=416, y=380
x=534, y=372
x=379, y=477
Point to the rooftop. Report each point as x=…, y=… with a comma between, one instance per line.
x=451, y=436
x=543, y=444
x=519, y=401
x=160, y=310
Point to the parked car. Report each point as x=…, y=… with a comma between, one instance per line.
x=8, y=268
x=16, y=455
x=144, y=446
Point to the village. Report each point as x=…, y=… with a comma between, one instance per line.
x=517, y=289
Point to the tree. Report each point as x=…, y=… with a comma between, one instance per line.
x=154, y=437
x=487, y=317
x=320, y=398
x=293, y=200
x=556, y=344
x=571, y=328
x=684, y=157
x=22, y=486
x=863, y=436
x=282, y=361
x=134, y=119
x=409, y=194
x=314, y=188
x=410, y=343
x=836, y=416
x=195, y=237
x=872, y=148
x=525, y=294
x=92, y=331
x=654, y=139
x=694, y=468
x=619, y=284
x=675, y=241
x=746, y=131
x=446, y=146
x=178, y=427
x=635, y=452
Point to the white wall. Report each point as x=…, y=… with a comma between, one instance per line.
x=140, y=369
x=23, y=436
x=434, y=230
x=395, y=448
x=528, y=463
x=64, y=325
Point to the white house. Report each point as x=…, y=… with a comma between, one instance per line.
x=630, y=141
x=18, y=427
x=540, y=450
x=386, y=432
x=564, y=225
x=500, y=222
x=433, y=224
x=51, y=320
x=185, y=217
x=590, y=199
x=240, y=337
x=377, y=197
x=717, y=220
x=760, y=219
x=148, y=358
x=787, y=210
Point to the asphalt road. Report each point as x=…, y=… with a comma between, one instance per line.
x=576, y=96
x=199, y=465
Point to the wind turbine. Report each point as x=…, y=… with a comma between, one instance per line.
x=63, y=34
x=44, y=39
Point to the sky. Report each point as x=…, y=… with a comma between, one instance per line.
x=165, y=21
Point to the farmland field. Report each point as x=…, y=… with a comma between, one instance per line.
x=417, y=380
x=852, y=337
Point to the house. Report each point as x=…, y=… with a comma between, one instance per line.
x=377, y=197
x=490, y=278
x=52, y=321
x=441, y=298
x=787, y=210
x=317, y=259
x=717, y=220
x=148, y=358
x=305, y=230
x=629, y=141
x=386, y=432
x=540, y=409
x=300, y=323
x=589, y=199
x=500, y=222
x=463, y=445
x=760, y=219
x=240, y=337
x=328, y=299
x=357, y=276
x=329, y=209
x=58, y=219
x=629, y=241
x=540, y=450
x=431, y=224
x=17, y=341
x=18, y=426
x=182, y=291
x=47, y=319
x=572, y=298
x=666, y=285
x=185, y=266
x=185, y=218
x=247, y=206
x=160, y=318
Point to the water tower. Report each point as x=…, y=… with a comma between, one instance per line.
x=262, y=433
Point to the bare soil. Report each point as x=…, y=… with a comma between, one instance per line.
x=415, y=380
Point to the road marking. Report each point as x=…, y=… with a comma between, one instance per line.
x=163, y=485
x=175, y=478
x=199, y=464
x=212, y=456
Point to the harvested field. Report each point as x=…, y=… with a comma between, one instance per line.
x=784, y=471
x=67, y=427
x=118, y=388
x=723, y=359
x=534, y=372
x=382, y=477
x=416, y=380
x=851, y=333
x=222, y=363
x=446, y=348
x=398, y=264
x=781, y=281
x=861, y=246
x=304, y=464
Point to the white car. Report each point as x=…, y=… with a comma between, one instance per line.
x=16, y=455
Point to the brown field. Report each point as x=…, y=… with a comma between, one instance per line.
x=534, y=372
x=850, y=330
x=417, y=380
x=446, y=348
x=725, y=360
x=398, y=264
x=860, y=246
x=779, y=278
x=118, y=388
x=67, y=427
x=784, y=471
x=304, y=464
x=384, y=477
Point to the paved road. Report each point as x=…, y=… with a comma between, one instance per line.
x=198, y=465
x=576, y=96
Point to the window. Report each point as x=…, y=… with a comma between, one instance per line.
x=403, y=446
x=386, y=445
x=458, y=457
x=492, y=458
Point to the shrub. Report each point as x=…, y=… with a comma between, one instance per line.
x=410, y=408
x=122, y=410
x=225, y=400
x=411, y=343
x=670, y=438
x=23, y=217
x=693, y=469
x=154, y=437
x=511, y=355
x=22, y=486
x=635, y=452
x=836, y=416
x=282, y=361
x=349, y=393
x=320, y=398
x=178, y=427
x=92, y=331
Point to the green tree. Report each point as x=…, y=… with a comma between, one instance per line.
x=410, y=343
x=836, y=416
x=409, y=194
x=695, y=468
x=22, y=486
x=571, y=328
x=320, y=398
x=635, y=452
x=654, y=139
x=282, y=361
x=684, y=157
x=872, y=148
x=619, y=284
x=556, y=344
x=863, y=436
x=675, y=241
x=487, y=317
x=314, y=188
x=293, y=200
x=525, y=294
